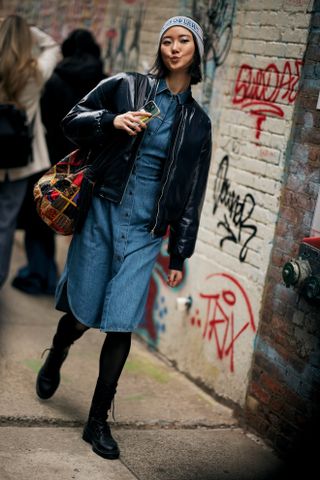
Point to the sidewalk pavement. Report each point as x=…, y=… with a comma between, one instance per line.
x=167, y=428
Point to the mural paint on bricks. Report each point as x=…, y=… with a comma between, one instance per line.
x=261, y=91
x=236, y=223
x=60, y=17
x=228, y=314
x=123, y=45
x=154, y=322
x=216, y=18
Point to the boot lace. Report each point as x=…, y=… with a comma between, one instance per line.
x=113, y=409
x=46, y=350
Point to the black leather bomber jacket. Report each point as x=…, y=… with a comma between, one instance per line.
x=90, y=125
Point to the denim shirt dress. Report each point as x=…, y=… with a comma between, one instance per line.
x=106, y=278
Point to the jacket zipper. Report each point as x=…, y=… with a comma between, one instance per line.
x=168, y=172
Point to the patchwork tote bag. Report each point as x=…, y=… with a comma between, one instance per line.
x=57, y=193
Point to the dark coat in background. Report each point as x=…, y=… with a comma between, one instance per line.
x=72, y=79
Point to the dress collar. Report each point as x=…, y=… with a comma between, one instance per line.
x=181, y=97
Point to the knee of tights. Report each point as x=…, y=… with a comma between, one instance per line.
x=69, y=320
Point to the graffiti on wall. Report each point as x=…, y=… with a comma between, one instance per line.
x=261, y=91
x=216, y=18
x=228, y=315
x=236, y=224
x=60, y=17
x=120, y=40
x=123, y=40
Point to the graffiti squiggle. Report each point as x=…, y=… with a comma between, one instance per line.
x=240, y=210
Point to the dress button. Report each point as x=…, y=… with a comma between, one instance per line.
x=130, y=193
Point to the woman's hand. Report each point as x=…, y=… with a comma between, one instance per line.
x=130, y=122
x=174, y=278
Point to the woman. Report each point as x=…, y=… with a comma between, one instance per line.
x=156, y=177
x=80, y=70
x=22, y=77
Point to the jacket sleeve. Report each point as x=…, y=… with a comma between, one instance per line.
x=183, y=232
x=90, y=122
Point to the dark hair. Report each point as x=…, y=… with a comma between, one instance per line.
x=159, y=70
x=79, y=42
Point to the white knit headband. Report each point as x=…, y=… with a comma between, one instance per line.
x=190, y=25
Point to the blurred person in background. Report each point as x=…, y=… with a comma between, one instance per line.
x=80, y=70
x=27, y=59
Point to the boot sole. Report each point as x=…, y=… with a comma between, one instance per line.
x=45, y=396
x=107, y=456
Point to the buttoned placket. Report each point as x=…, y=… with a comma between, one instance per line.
x=122, y=231
x=127, y=204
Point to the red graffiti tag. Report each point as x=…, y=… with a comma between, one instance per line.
x=222, y=324
x=261, y=91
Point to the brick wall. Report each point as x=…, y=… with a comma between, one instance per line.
x=251, y=103
x=284, y=392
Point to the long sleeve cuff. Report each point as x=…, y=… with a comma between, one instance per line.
x=106, y=120
x=176, y=262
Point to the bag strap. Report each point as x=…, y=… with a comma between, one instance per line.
x=141, y=85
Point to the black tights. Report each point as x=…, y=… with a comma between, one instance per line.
x=114, y=352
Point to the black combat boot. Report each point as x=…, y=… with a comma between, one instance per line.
x=68, y=331
x=48, y=378
x=97, y=431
